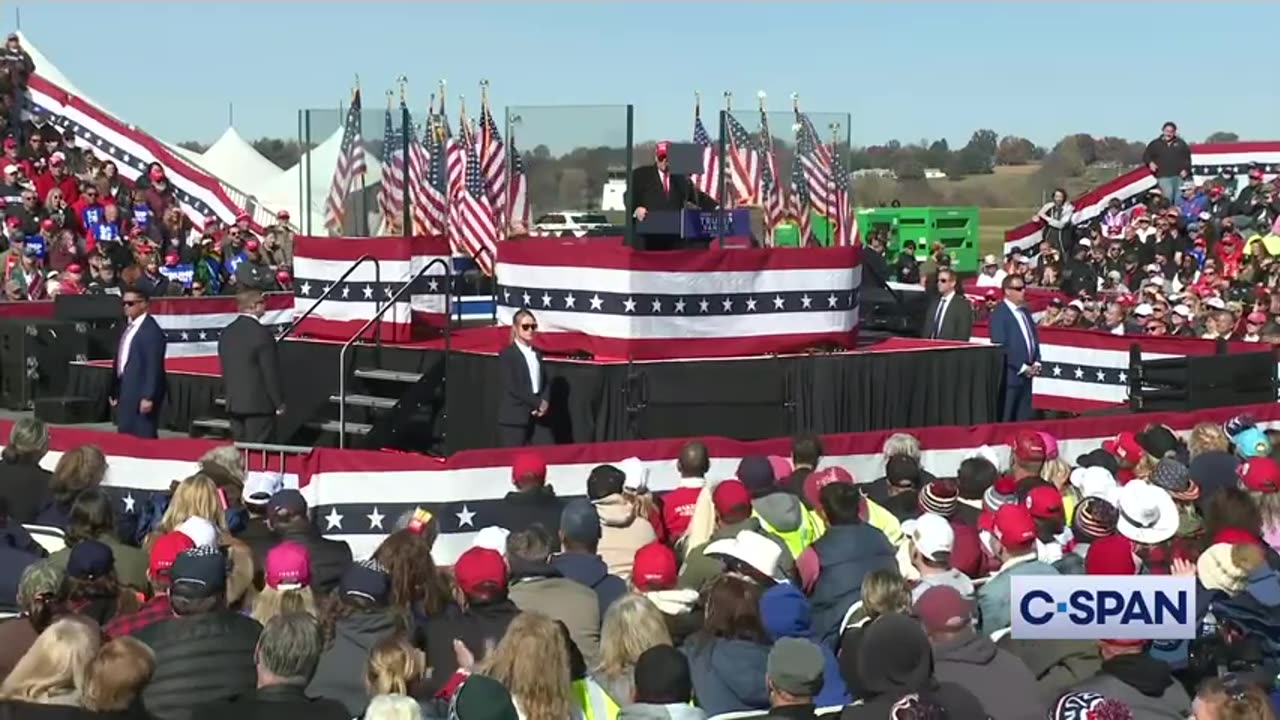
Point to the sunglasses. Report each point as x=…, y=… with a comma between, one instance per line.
x=131, y=303
x=1017, y=287
x=528, y=326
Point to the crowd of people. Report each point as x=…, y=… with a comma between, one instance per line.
x=72, y=224
x=791, y=588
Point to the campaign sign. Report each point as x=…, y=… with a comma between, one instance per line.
x=1092, y=607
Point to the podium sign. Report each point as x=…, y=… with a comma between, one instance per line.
x=706, y=224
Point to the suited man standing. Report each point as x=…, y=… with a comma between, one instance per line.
x=949, y=316
x=654, y=188
x=1013, y=329
x=522, y=400
x=251, y=371
x=138, y=381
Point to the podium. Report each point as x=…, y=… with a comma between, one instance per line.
x=693, y=224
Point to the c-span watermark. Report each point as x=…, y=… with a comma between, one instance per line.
x=1074, y=607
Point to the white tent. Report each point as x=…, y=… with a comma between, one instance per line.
x=288, y=191
x=238, y=163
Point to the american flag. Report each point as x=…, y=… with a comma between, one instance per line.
x=493, y=160
x=517, y=189
x=800, y=201
x=774, y=204
x=846, y=227
x=472, y=220
x=418, y=194
x=434, y=191
x=391, y=194
x=816, y=161
x=350, y=164
x=708, y=181
x=455, y=158
x=744, y=162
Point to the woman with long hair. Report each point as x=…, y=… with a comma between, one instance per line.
x=92, y=517
x=631, y=625
x=417, y=588
x=287, y=569
x=884, y=593
x=78, y=469
x=116, y=676
x=40, y=602
x=395, y=667
x=524, y=392
x=729, y=656
x=53, y=670
x=25, y=483
x=92, y=589
x=353, y=620
x=532, y=663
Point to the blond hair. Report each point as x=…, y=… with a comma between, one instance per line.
x=394, y=667
x=631, y=625
x=196, y=496
x=532, y=661
x=884, y=592
x=1207, y=437
x=56, y=663
x=271, y=602
x=117, y=674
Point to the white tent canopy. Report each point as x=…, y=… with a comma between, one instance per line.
x=288, y=191
x=238, y=163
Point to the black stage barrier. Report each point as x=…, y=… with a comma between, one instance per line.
x=744, y=399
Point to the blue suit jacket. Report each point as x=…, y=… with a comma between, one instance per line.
x=1006, y=333
x=143, y=377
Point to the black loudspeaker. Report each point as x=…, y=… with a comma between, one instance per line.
x=67, y=410
x=736, y=399
x=35, y=358
x=1196, y=382
x=88, y=308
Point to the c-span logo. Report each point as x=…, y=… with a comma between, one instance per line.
x=1074, y=607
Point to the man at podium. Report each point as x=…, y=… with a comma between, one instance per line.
x=661, y=188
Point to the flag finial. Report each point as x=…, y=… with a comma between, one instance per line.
x=728, y=100
x=403, y=82
x=390, y=94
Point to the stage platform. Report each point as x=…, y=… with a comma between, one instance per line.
x=405, y=396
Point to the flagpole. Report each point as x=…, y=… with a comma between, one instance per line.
x=835, y=206
x=448, y=189
x=766, y=146
x=406, y=130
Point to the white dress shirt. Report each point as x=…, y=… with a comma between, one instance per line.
x=531, y=361
x=126, y=342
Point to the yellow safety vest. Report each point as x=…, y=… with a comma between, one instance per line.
x=594, y=701
x=884, y=521
x=811, y=528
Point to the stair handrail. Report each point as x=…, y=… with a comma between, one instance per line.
x=377, y=279
x=342, y=354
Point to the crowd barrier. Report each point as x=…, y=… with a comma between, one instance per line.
x=356, y=495
x=1086, y=370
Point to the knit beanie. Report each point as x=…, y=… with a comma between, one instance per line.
x=1226, y=567
x=1002, y=492
x=939, y=497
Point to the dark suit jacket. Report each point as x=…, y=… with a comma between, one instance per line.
x=1006, y=333
x=143, y=377
x=516, y=400
x=250, y=367
x=646, y=190
x=957, y=322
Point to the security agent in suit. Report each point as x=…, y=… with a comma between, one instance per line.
x=137, y=374
x=251, y=372
x=949, y=316
x=522, y=401
x=1013, y=329
x=655, y=188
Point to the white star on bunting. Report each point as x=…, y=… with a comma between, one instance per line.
x=569, y=301
x=832, y=300
x=466, y=517
x=305, y=288
x=728, y=304
x=657, y=305
x=778, y=302
x=629, y=305
x=805, y=301
x=1079, y=373
x=596, y=302
x=346, y=291
x=546, y=300
x=333, y=519
x=1057, y=371
x=703, y=305
x=368, y=292
x=680, y=305
x=128, y=502
x=375, y=519
x=751, y=304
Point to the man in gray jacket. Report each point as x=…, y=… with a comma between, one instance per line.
x=536, y=586
x=1138, y=680
x=663, y=687
x=1001, y=681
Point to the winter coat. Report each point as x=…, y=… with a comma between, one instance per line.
x=130, y=562
x=25, y=489
x=1144, y=684
x=784, y=612
x=274, y=702
x=479, y=627
x=673, y=711
x=340, y=673
x=846, y=554
x=1000, y=681
x=680, y=610
x=540, y=506
x=590, y=570
x=538, y=587
x=622, y=533
x=199, y=659
x=728, y=675
x=1056, y=664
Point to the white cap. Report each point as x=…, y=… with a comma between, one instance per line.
x=1143, y=310
x=986, y=452
x=1182, y=310
x=1216, y=303
x=990, y=260
x=1153, y=268
x=1095, y=482
x=1084, y=242
x=931, y=534
x=260, y=486
x=492, y=538
x=201, y=531
x=11, y=168
x=1024, y=260
x=750, y=549
x=1077, y=304
x=636, y=474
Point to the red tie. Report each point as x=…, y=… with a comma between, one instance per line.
x=666, y=184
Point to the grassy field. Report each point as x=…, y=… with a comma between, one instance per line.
x=992, y=222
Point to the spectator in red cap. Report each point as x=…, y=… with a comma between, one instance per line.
x=654, y=574
x=680, y=505
x=57, y=178
x=1260, y=477
x=1027, y=455
x=1044, y=502
x=1111, y=555
x=733, y=514
x=157, y=191
x=253, y=272
x=1128, y=453
x=999, y=679
x=163, y=552
x=478, y=620
x=1013, y=542
x=533, y=502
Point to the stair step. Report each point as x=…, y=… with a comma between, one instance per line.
x=212, y=424
x=369, y=401
x=388, y=375
x=332, y=426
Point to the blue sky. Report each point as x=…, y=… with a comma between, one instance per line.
x=904, y=70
